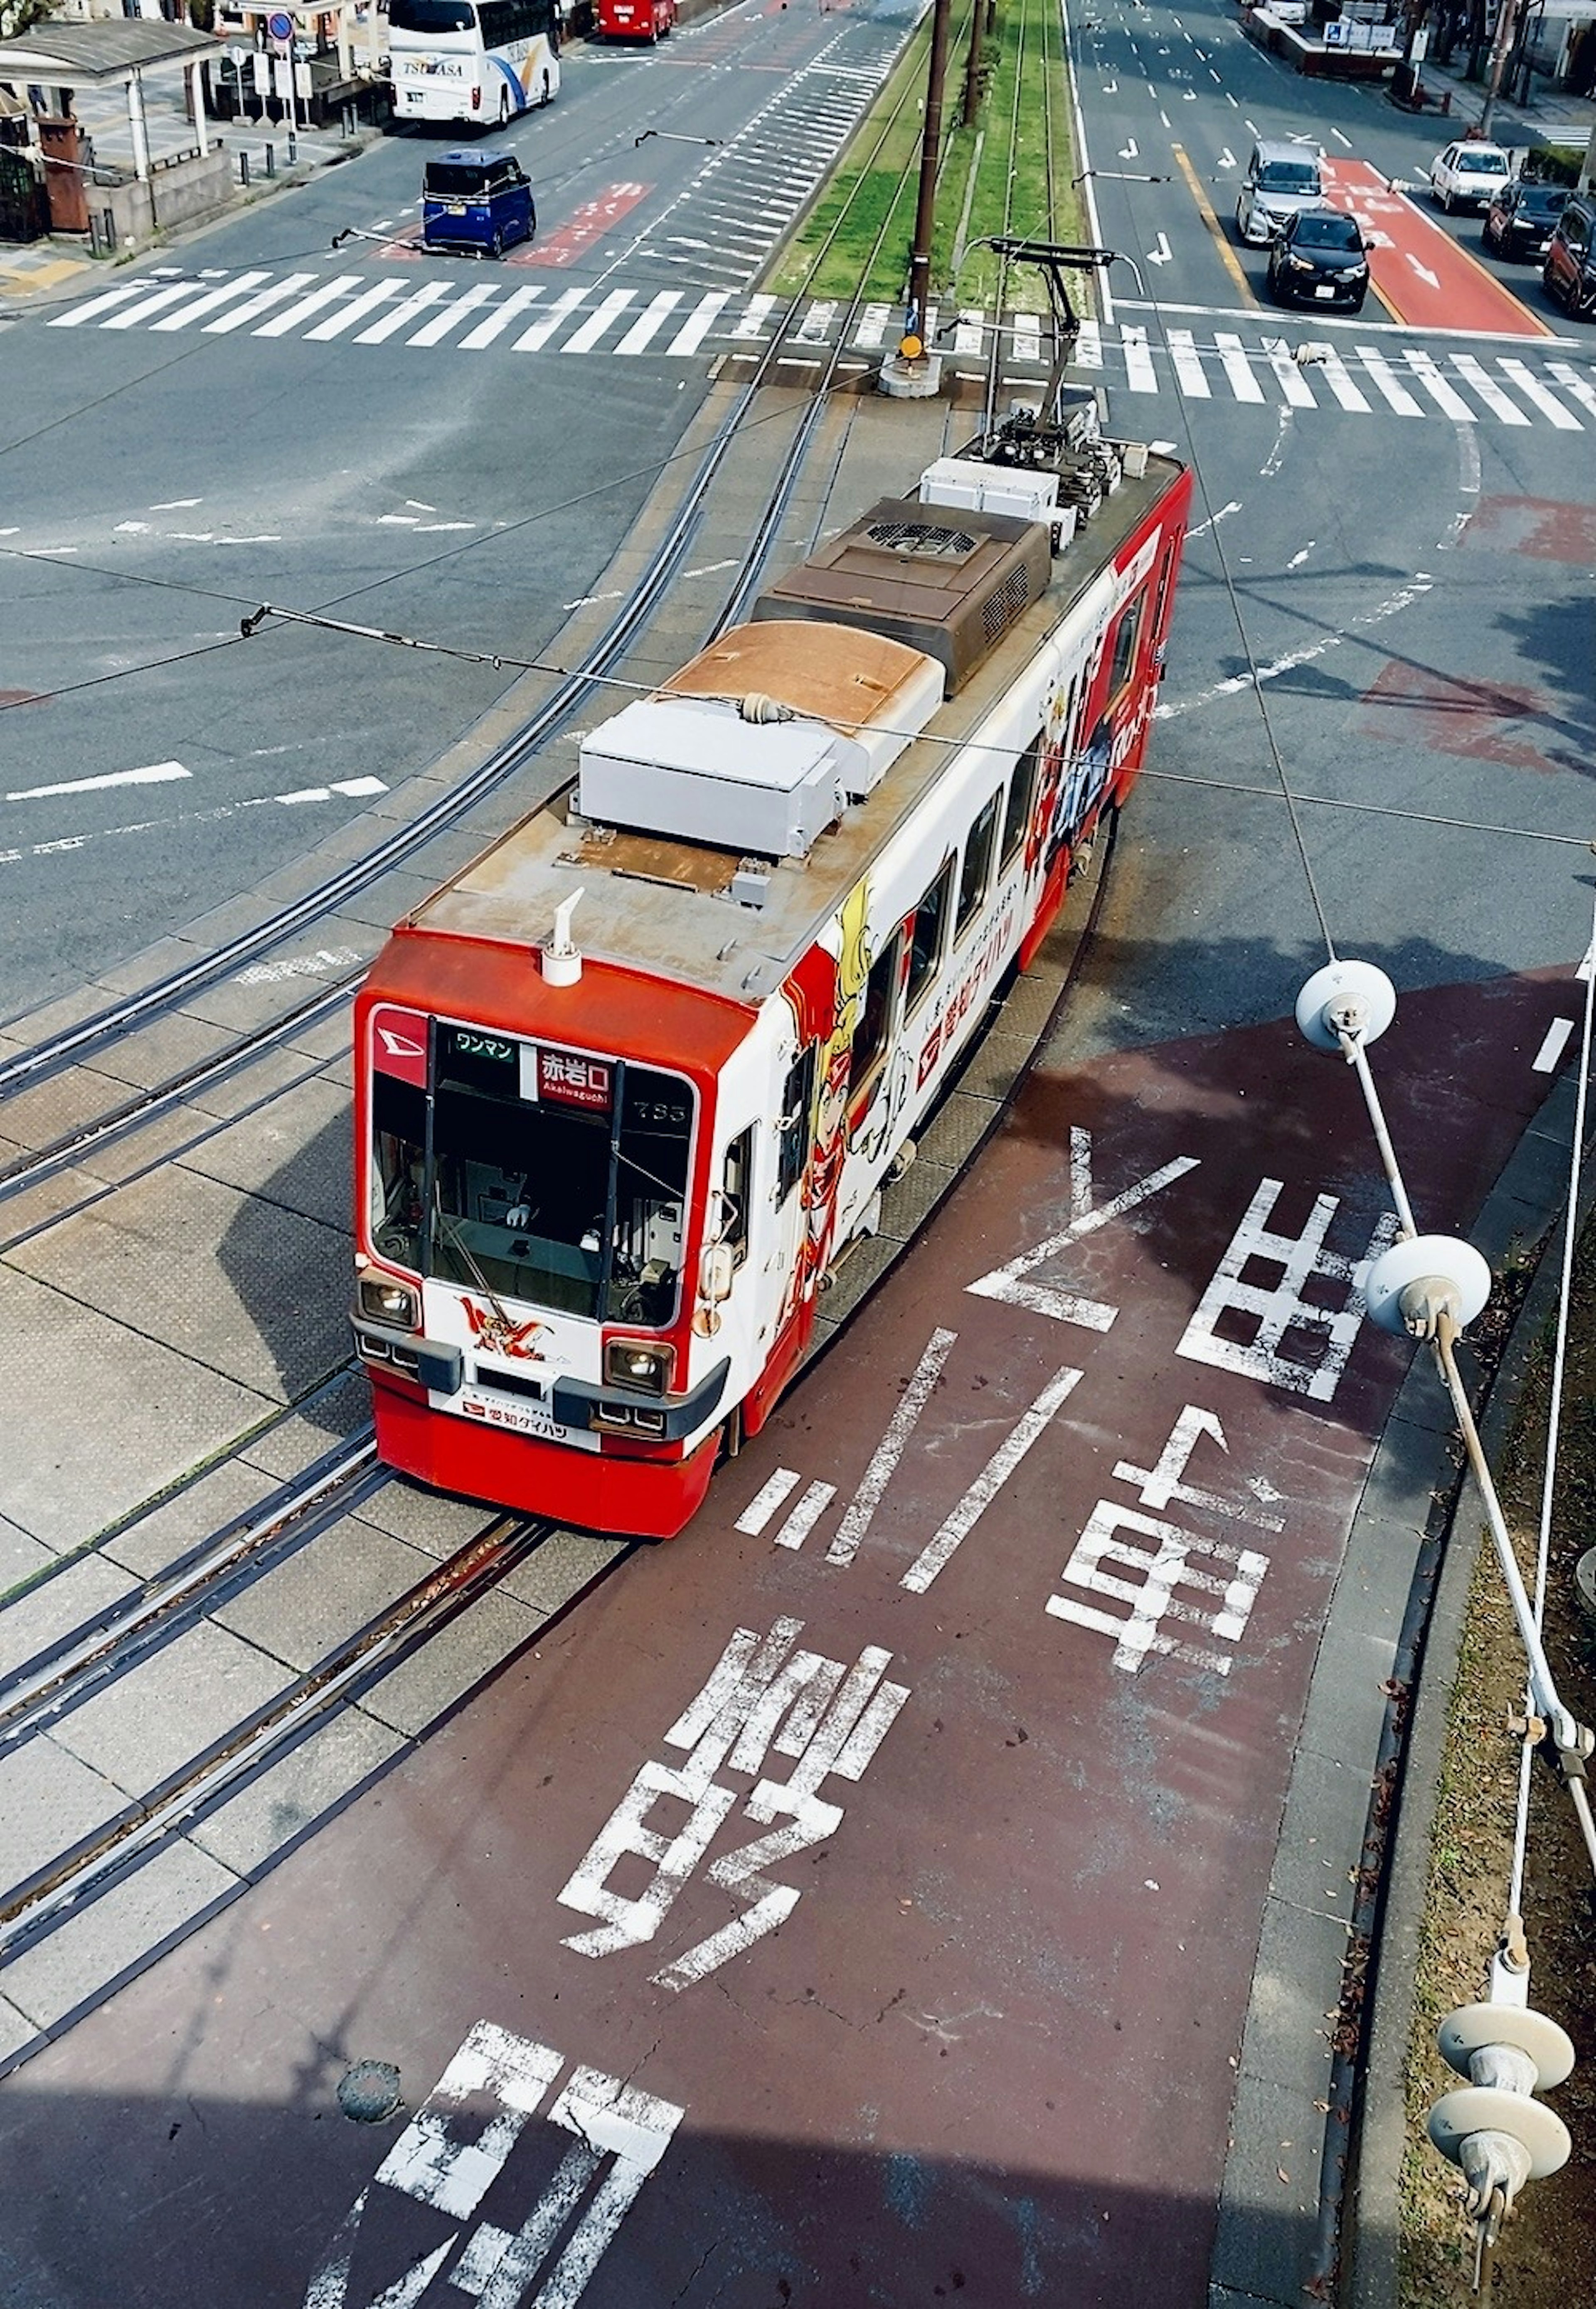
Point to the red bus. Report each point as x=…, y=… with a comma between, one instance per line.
x=628, y=1085
x=634, y=20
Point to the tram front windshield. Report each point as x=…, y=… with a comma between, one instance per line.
x=570, y=1198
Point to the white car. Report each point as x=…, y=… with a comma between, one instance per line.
x=1469, y=174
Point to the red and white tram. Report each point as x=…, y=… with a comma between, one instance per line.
x=607, y=1153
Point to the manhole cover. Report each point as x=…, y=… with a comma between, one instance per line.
x=368, y=2093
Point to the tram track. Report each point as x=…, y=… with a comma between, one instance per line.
x=164, y=996
x=57, y=1888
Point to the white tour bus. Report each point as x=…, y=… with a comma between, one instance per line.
x=477, y=61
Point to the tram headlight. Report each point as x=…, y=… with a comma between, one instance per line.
x=644, y=1364
x=386, y=1301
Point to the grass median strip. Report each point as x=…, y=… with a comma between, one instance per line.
x=1009, y=171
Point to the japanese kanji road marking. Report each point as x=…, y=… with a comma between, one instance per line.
x=1009, y=1283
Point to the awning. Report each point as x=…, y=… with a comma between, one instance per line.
x=90, y=55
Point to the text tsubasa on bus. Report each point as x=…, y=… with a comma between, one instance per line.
x=630, y=1083
x=476, y=61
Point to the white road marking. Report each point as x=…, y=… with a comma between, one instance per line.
x=1347, y=141
x=383, y=292
x=1188, y=365
x=211, y=302
x=1473, y=373
x=889, y=1451
x=1224, y=513
x=318, y=300
x=650, y=321
x=298, y=965
x=583, y=339
x=1551, y=1050
x=1534, y=391
x=1158, y=1486
x=1447, y=399
x=1333, y=369
x=499, y=320
x=1152, y=1597
x=1238, y=369
x=1281, y=1308
x=698, y=324
x=968, y=332
x=804, y=1516
x=940, y=1549
x=437, y=329
x=154, y=774
x=242, y=315
x=765, y=1501
x=1380, y=374
x=1141, y=375
x=1089, y=348
x=1028, y=337
x=1297, y=559
x=1289, y=376
x=544, y=328
x=1571, y=381
x=108, y=303
x=431, y=292
x=1087, y=1216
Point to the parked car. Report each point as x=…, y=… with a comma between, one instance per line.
x=1521, y=218
x=1469, y=174
x=479, y=200
x=1281, y=178
x=1569, y=266
x=1320, y=257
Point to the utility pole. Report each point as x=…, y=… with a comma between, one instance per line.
x=913, y=343
x=1506, y=19
x=971, y=68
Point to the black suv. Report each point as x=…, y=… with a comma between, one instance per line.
x=1521, y=218
x=1319, y=257
x=1569, y=271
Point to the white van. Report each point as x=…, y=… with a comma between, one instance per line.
x=1281, y=178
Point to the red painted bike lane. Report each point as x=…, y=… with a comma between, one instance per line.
x=1420, y=272
x=853, y=1901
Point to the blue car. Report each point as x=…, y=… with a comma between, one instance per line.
x=479, y=200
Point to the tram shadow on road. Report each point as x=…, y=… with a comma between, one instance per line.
x=191, y=2195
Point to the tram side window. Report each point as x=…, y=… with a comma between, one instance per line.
x=978, y=866
x=1022, y=791
x=792, y=1128
x=1126, y=635
x=928, y=926
x=736, y=1189
x=873, y=1030
x=398, y=1165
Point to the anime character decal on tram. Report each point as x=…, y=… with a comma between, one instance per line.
x=607, y=1169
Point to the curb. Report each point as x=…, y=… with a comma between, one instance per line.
x=1344, y=1903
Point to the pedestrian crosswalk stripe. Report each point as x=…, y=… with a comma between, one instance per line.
x=1268, y=371
x=1188, y=365
x=1238, y=369
x=1533, y=391
x=534, y=339
x=1488, y=390
x=648, y=324
x=1381, y=374
x=388, y=324
x=1333, y=369
x=499, y=320
x=212, y=301
x=1450, y=403
x=318, y=300
x=1295, y=389
x=587, y=334
x=338, y=325
x=1139, y=373
x=1571, y=381
x=242, y=315
x=438, y=328
x=693, y=331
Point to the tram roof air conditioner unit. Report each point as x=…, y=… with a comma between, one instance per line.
x=698, y=770
x=966, y=483
x=947, y=580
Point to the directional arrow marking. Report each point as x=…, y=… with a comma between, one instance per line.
x=1130, y=152
x=1163, y=254
x=1423, y=271
x=1227, y=158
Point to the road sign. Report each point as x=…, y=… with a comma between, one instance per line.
x=280, y=25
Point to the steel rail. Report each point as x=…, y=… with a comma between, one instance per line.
x=44, y=1899
x=80, y=1662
